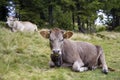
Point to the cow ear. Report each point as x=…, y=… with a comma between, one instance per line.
x=67, y=34
x=45, y=34
x=6, y=16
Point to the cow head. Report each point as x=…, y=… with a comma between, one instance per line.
x=10, y=21
x=56, y=38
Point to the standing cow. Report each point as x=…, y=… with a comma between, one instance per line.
x=22, y=26
x=81, y=56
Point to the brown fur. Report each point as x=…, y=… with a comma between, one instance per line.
x=81, y=56
x=23, y=26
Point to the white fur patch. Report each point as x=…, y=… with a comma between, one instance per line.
x=77, y=67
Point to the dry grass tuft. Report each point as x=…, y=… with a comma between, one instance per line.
x=25, y=56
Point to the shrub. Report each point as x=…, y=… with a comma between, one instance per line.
x=2, y=24
x=32, y=17
x=100, y=28
x=63, y=19
x=117, y=28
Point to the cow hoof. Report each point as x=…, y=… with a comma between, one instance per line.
x=51, y=64
x=105, y=71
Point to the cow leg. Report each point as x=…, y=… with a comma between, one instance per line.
x=22, y=29
x=78, y=66
x=14, y=30
x=103, y=62
x=66, y=65
x=51, y=64
x=35, y=28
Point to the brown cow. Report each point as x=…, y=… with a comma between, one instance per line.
x=81, y=56
x=23, y=26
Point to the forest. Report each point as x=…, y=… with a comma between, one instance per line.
x=26, y=56
x=77, y=15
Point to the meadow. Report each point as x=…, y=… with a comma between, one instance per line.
x=25, y=56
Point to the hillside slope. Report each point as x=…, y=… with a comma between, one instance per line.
x=25, y=56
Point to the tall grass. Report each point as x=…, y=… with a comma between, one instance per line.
x=25, y=56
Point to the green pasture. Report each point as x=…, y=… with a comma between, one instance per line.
x=25, y=56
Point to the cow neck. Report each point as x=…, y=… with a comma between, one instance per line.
x=11, y=24
x=63, y=47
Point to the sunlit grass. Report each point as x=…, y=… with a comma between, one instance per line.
x=25, y=56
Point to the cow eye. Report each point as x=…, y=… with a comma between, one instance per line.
x=61, y=40
x=11, y=20
x=50, y=39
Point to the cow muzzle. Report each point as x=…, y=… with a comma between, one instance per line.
x=56, y=51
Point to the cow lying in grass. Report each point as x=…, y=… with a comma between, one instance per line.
x=23, y=26
x=81, y=56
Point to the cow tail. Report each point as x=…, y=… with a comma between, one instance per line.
x=99, y=63
x=111, y=69
x=99, y=51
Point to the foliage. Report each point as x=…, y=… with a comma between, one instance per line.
x=112, y=8
x=65, y=13
x=117, y=29
x=62, y=20
x=100, y=28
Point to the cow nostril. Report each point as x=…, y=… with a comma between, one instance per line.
x=56, y=51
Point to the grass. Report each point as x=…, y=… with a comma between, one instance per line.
x=25, y=56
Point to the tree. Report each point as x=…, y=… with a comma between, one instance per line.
x=3, y=10
x=86, y=14
x=65, y=13
x=112, y=8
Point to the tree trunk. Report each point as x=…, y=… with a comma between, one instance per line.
x=73, y=19
x=117, y=21
x=50, y=12
x=80, y=28
x=80, y=25
x=87, y=23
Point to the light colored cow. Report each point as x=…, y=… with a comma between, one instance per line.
x=80, y=56
x=23, y=26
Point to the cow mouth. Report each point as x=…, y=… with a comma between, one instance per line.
x=56, y=54
x=57, y=59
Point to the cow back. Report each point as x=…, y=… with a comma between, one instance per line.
x=73, y=51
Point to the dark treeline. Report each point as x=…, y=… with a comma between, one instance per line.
x=66, y=13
